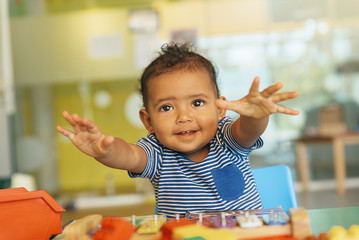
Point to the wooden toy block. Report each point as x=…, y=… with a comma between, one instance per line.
x=300, y=223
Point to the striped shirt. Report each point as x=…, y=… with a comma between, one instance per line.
x=222, y=181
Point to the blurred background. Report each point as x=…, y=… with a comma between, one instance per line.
x=86, y=56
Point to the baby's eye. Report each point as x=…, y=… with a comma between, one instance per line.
x=165, y=108
x=197, y=103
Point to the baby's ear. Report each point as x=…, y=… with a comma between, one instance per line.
x=221, y=112
x=146, y=120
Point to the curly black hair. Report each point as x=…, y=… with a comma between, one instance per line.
x=175, y=57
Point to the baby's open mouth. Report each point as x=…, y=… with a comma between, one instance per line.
x=186, y=132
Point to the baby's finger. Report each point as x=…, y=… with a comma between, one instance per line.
x=67, y=133
x=82, y=123
x=255, y=86
x=90, y=126
x=272, y=89
x=228, y=105
x=69, y=118
x=286, y=110
x=284, y=96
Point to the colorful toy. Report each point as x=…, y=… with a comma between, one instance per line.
x=213, y=226
x=28, y=215
x=270, y=216
x=114, y=228
x=278, y=224
x=151, y=225
x=205, y=221
x=249, y=221
x=223, y=221
x=193, y=231
x=340, y=233
x=274, y=216
x=170, y=225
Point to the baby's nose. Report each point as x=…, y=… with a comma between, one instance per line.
x=184, y=116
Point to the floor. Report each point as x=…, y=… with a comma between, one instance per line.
x=328, y=199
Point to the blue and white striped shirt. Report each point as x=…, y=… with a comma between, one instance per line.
x=222, y=181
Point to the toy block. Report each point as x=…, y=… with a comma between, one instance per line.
x=152, y=225
x=300, y=222
x=189, y=231
x=194, y=230
x=224, y=221
x=222, y=233
x=114, y=228
x=170, y=225
x=249, y=221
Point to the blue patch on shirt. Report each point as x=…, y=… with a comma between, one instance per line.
x=229, y=182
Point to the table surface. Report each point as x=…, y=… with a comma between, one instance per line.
x=322, y=220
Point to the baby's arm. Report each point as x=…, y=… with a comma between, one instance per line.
x=110, y=151
x=254, y=110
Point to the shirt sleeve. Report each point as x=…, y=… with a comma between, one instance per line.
x=225, y=129
x=153, y=153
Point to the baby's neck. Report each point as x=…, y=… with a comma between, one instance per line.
x=198, y=156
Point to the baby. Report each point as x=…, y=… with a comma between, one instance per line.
x=196, y=158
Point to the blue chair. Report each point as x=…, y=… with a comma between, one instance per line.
x=275, y=186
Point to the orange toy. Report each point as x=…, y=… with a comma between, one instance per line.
x=114, y=228
x=170, y=225
x=28, y=215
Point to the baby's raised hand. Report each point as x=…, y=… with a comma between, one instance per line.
x=86, y=136
x=260, y=104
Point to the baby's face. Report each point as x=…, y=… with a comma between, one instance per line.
x=182, y=112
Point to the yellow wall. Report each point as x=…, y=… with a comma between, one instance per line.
x=54, y=48
x=77, y=171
